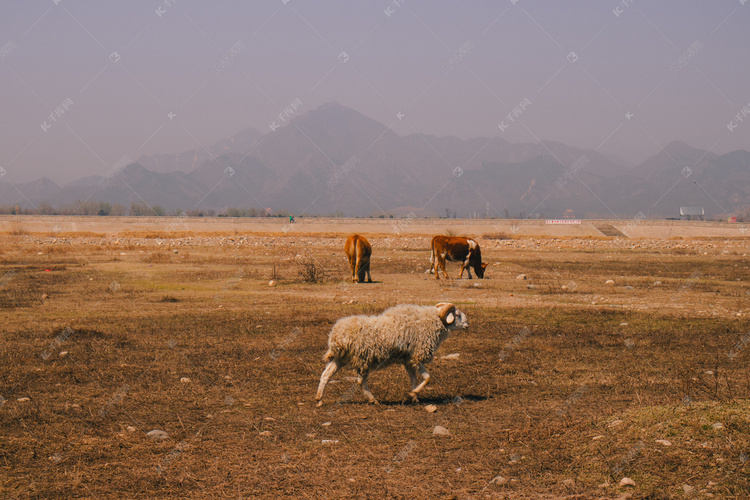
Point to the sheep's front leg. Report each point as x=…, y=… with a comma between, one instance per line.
x=412, y=375
x=425, y=379
x=331, y=368
x=362, y=381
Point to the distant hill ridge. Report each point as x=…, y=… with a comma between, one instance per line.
x=334, y=160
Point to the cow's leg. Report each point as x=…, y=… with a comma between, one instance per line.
x=425, y=379
x=367, y=269
x=362, y=381
x=466, y=266
x=331, y=368
x=353, y=264
x=442, y=266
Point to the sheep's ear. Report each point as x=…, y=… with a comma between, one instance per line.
x=484, y=264
x=445, y=311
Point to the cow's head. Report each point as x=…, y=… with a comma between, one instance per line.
x=479, y=269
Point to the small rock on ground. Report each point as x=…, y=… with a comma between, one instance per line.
x=439, y=430
x=626, y=481
x=157, y=435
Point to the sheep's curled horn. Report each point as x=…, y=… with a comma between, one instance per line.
x=445, y=311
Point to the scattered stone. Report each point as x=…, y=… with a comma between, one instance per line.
x=499, y=480
x=56, y=458
x=614, y=423
x=564, y=288
x=63, y=354
x=329, y=441
x=130, y=428
x=439, y=430
x=23, y=399
x=664, y=442
x=272, y=283
x=185, y=380
x=657, y=283
x=609, y=282
x=455, y=355
x=688, y=489
x=717, y=425
x=477, y=285
x=597, y=438
x=531, y=287
x=626, y=481
x=269, y=419
x=623, y=324
x=266, y=434
x=45, y=296
x=569, y=483
x=157, y=435
x=521, y=277
x=326, y=424
x=431, y=408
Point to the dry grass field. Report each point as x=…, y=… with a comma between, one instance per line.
x=563, y=385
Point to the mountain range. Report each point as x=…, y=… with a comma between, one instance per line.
x=334, y=160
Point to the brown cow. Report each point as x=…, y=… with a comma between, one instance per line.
x=358, y=251
x=456, y=249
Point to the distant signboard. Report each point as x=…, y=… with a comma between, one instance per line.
x=733, y=220
x=688, y=211
x=562, y=221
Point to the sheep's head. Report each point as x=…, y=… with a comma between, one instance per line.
x=452, y=318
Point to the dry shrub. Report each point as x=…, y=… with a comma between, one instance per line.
x=310, y=271
x=499, y=235
x=275, y=274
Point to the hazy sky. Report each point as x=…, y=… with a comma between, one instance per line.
x=85, y=83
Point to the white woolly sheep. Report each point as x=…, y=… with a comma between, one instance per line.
x=406, y=334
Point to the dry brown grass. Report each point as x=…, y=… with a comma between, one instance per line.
x=542, y=374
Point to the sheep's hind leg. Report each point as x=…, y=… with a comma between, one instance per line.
x=412, y=371
x=362, y=381
x=425, y=379
x=331, y=368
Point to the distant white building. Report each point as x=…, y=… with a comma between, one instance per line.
x=691, y=213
